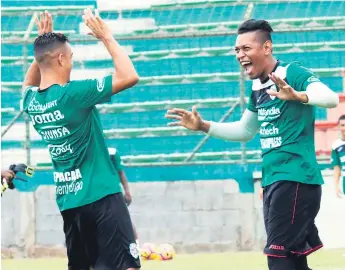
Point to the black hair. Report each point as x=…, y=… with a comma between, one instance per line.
x=47, y=43
x=253, y=25
x=342, y=117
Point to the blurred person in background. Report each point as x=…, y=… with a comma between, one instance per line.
x=338, y=158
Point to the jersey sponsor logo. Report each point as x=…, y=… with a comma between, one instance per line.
x=268, y=129
x=46, y=117
x=271, y=113
x=50, y=133
x=74, y=175
x=269, y=143
x=59, y=150
x=276, y=247
x=36, y=107
x=312, y=79
x=342, y=159
x=67, y=188
x=70, y=182
x=134, y=250
x=100, y=84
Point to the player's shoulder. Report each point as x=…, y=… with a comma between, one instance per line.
x=73, y=88
x=296, y=68
x=97, y=82
x=28, y=94
x=298, y=73
x=29, y=90
x=75, y=83
x=337, y=144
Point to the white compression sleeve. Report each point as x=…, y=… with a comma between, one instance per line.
x=242, y=130
x=320, y=95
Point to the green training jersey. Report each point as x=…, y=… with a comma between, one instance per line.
x=286, y=129
x=338, y=157
x=66, y=118
x=115, y=159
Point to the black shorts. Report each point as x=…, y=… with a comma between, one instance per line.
x=100, y=235
x=290, y=209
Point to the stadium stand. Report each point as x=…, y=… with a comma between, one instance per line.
x=182, y=51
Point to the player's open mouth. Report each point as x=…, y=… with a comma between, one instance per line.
x=248, y=66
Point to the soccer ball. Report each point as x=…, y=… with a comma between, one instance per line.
x=145, y=253
x=166, y=252
x=149, y=251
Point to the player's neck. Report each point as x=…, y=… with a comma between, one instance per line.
x=270, y=66
x=342, y=137
x=50, y=78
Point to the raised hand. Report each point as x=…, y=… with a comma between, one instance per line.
x=190, y=120
x=99, y=29
x=286, y=92
x=44, y=23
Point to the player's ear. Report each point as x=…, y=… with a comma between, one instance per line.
x=268, y=47
x=62, y=59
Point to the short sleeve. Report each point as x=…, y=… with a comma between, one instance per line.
x=27, y=96
x=118, y=161
x=251, y=104
x=299, y=77
x=115, y=159
x=88, y=93
x=335, y=160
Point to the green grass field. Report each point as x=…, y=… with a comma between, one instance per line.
x=321, y=260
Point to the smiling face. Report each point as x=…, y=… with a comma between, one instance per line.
x=252, y=52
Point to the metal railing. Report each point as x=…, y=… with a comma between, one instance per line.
x=233, y=104
x=27, y=39
x=25, y=43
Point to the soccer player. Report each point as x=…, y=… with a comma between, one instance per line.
x=117, y=163
x=338, y=157
x=96, y=220
x=281, y=106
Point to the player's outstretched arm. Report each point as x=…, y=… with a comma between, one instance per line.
x=44, y=25
x=125, y=75
x=243, y=130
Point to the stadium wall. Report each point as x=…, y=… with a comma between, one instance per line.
x=195, y=216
